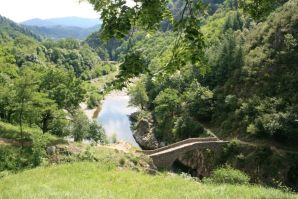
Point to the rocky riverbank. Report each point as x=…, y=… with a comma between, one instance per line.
x=143, y=132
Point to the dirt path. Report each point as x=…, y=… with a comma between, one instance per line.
x=273, y=147
x=4, y=141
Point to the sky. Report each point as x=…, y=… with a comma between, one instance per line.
x=22, y=10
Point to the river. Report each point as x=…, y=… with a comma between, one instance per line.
x=114, y=117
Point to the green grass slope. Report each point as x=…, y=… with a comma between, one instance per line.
x=94, y=180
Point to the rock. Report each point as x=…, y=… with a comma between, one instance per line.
x=143, y=133
x=51, y=150
x=162, y=144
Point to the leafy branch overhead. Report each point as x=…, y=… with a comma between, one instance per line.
x=121, y=19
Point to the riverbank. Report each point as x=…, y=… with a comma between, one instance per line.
x=94, y=113
x=90, y=113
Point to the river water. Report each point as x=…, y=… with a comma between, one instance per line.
x=114, y=117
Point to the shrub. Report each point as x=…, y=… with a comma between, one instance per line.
x=187, y=127
x=228, y=175
x=96, y=133
x=38, y=148
x=13, y=158
x=92, y=102
x=199, y=101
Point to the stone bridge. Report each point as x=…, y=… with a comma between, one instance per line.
x=164, y=157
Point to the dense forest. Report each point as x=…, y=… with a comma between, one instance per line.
x=42, y=85
x=240, y=82
x=244, y=85
x=222, y=68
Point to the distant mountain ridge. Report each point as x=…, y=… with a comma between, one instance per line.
x=61, y=32
x=10, y=29
x=63, y=21
x=65, y=27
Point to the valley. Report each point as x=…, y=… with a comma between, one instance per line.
x=178, y=99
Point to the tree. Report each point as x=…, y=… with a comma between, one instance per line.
x=25, y=97
x=224, y=58
x=198, y=101
x=138, y=95
x=96, y=133
x=63, y=87
x=79, y=126
x=167, y=105
x=259, y=9
x=187, y=127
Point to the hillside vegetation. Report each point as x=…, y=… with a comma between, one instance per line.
x=94, y=180
x=223, y=68
x=42, y=83
x=230, y=70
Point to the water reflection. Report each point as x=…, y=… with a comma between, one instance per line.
x=114, y=117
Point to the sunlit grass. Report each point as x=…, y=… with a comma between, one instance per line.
x=96, y=180
x=10, y=131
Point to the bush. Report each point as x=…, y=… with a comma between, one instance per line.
x=92, y=102
x=228, y=175
x=38, y=148
x=187, y=127
x=13, y=158
x=199, y=101
x=96, y=133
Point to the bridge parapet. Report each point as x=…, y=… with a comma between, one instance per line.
x=165, y=158
x=189, y=140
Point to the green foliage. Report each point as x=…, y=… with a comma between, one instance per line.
x=138, y=95
x=40, y=80
x=10, y=131
x=39, y=142
x=92, y=102
x=60, y=32
x=105, y=50
x=10, y=158
x=134, y=65
x=187, y=127
x=70, y=54
x=259, y=9
x=198, y=101
x=63, y=87
x=264, y=117
x=167, y=106
x=224, y=58
x=82, y=128
x=228, y=175
x=118, y=18
x=79, y=126
x=96, y=133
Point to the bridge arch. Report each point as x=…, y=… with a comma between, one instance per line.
x=164, y=157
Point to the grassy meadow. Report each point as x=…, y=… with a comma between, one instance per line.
x=95, y=180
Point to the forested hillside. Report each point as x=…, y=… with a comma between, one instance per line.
x=246, y=82
x=225, y=69
x=63, y=28
x=63, y=32
x=41, y=87
x=234, y=73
